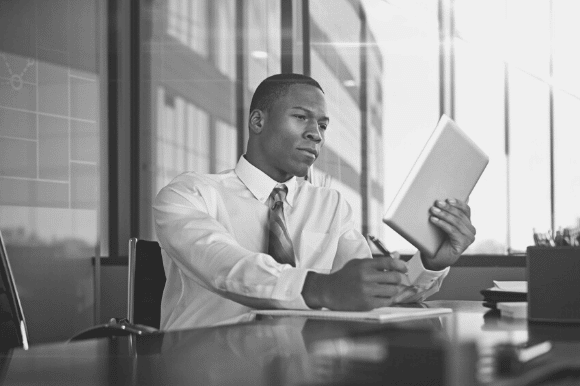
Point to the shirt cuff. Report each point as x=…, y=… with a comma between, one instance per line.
x=288, y=290
x=419, y=276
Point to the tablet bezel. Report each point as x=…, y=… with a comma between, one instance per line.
x=448, y=153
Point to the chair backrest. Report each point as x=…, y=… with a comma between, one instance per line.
x=13, y=332
x=146, y=282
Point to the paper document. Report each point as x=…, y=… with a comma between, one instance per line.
x=511, y=286
x=514, y=310
x=384, y=314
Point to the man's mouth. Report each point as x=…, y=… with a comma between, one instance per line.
x=310, y=151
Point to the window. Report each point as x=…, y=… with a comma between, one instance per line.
x=503, y=91
x=263, y=39
x=407, y=35
x=188, y=94
x=566, y=81
x=335, y=63
x=479, y=110
x=52, y=137
x=192, y=90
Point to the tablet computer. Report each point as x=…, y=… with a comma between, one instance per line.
x=449, y=166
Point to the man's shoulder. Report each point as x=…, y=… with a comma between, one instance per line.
x=204, y=177
x=192, y=179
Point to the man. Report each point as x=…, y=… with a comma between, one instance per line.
x=258, y=237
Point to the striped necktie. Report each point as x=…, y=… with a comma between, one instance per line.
x=279, y=243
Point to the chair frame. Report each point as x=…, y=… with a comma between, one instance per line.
x=131, y=278
x=134, y=307
x=15, y=296
x=121, y=326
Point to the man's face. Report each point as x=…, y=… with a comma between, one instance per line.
x=293, y=132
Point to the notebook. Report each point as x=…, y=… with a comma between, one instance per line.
x=449, y=166
x=383, y=314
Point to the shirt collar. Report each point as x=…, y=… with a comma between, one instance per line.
x=260, y=184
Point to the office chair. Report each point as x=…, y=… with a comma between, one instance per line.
x=146, y=283
x=145, y=289
x=13, y=331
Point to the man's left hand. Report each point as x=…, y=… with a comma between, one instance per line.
x=454, y=218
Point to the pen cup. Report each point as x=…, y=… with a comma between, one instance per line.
x=553, y=284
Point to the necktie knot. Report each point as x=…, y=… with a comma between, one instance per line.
x=278, y=195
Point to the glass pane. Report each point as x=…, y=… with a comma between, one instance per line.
x=566, y=160
x=528, y=36
x=224, y=36
x=407, y=34
x=529, y=159
x=479, y=111
x=188, y=93
x=520, y=37
x=566, y=108
x=187, y=22
x=374, y=148
x=472, y=24
x=50, y=144
x=263, y=53
x=566, y=46
x=263, y=41
x=335, y=63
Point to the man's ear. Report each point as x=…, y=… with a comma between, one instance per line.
x=256, y=123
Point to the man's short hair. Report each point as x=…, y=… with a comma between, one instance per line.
x=276, y=86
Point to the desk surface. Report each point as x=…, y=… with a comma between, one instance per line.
x=450, y=349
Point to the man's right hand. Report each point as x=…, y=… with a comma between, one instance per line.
x=361, y=285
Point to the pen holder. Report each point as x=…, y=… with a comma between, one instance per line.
x=553, y=275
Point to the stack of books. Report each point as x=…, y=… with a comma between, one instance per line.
x=503, y=292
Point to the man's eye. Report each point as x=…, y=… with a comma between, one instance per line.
x=323, y=126
x=301, y=117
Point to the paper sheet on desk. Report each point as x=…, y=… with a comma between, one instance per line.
x=384, y=314
x=511, y=286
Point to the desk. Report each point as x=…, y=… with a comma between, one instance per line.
x=451, y=349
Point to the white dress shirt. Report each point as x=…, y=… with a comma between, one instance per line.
x=213, y=231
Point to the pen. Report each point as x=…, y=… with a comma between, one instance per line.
x=528, y=353
x=510, y=359
x=379, y=245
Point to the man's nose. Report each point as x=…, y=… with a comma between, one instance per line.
x=313, y=133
